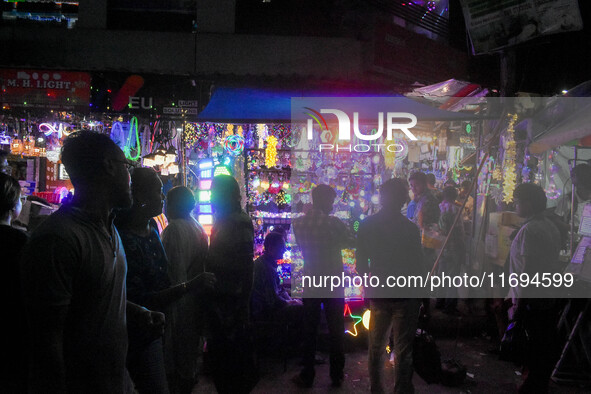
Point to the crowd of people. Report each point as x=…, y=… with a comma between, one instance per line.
x=106, y=304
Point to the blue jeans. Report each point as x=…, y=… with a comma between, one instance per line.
x=399, y=317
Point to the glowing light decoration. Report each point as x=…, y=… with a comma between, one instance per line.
x=205, y=184
x=204, y=196
x=553, y=192
x=509, y=175
x=234, y=144
x=271, y=152
x=49, y=129
x=173, y=169
x=206, y=174
x=205, y=208
x=221, y=170
x=358, y=319
x=205, y=163
x=205, y=219
x=133, y=132
x=366, y=317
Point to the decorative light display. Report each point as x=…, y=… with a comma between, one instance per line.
x=509, y=174
x=234, y=144
x=553, y=192
x=49, y=129
x=221, y=170
x=133, y=138
x=271, y=151
x=358, y=319
x=366, y=318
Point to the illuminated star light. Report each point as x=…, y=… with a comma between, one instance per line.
x=358, y=319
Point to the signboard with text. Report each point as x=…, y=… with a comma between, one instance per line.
x=48, y=89
x=493, y=25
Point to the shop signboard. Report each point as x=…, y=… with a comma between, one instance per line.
x=48, y=89
x=493, y=25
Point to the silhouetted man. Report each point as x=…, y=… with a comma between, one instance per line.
x=321, y=238
x=392, y=244
x=231, y=260
x=73, y=279
x=535, y=251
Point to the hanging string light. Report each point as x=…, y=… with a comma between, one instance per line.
x=509, y=173
x=553, y=192
x=271, y=152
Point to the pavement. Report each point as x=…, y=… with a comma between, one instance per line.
x=485, y=372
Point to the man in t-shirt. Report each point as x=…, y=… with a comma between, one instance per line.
x=534, y=252
x=270, y=301
x=73, y=279
x=389, y=245
x=321, y=237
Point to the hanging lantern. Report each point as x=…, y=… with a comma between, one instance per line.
x=170, y=155
x=149, y=160
x=160, y=157
x=173, y=168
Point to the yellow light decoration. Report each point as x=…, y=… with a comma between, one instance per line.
x=239, y=131
x=389, y=159
x=366, y=317
x=271, y=152
x=497, y=174
x=509, y=175
x=229, y=130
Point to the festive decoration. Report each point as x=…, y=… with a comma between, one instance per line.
x=509, y=176
x=234, y=144
x=222, y=170
x=271, y=152
x=553, y=192
x=358, y=319
x=133, y=132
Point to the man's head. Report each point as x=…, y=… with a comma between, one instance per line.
x=95, y=163
x=431, y=180
x=394, y=193
x=10, y=193
x=530, y=199
x=581, y=178
x=4, y=166
x=180, y=202
x=323, y=198
x=146, y=189
x=274, y=245
x=225, y=194
x=450, y=194
x=450, y=182
x=418, y=183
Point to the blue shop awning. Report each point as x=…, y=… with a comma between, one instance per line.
x=250, y=105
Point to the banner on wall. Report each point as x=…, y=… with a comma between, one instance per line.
x=48, y=89
x=493, y=25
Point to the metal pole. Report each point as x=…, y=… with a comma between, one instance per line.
x=572, y=210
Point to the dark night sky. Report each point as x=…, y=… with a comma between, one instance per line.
x=546, y=65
